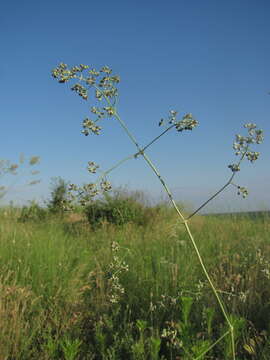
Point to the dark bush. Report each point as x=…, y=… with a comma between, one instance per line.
x=34, y=212
x=117, y=209
x=59, y=190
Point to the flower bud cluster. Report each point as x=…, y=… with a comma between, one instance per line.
x=171, y=335
x=257, y=134
x=105, y=185
x=91, y=189
x=99, y=95
x=116, y=267
x=90, y=126
x=252, y=155
x=102, y=112
x=80, y=90
x=85, y=194
x=234, y=167
x=97, y=111
x=63, y=74
x=108, y=92
x=110, y=110
x=115, y=246
x=72, y=187
x=82, y=194
x=90, y=80
x=242, y=191
x=105, y=86
x=187, y=122
x=94, y=72
x=92, y=167
x=242, y=145
x=106, y=70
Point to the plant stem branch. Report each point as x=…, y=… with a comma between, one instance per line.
x=211, y=198
x=105, y=173
x=220, y=190
x=213, y=345
x=155, y=139
x=185, y=221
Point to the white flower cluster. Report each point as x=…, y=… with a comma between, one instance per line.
x=116, y=267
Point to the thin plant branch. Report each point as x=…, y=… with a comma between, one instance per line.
x=219, y=191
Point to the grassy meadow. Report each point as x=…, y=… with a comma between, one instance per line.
x=133, y=289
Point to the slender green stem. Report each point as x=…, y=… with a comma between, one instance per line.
x=132, y=138
x=212, y=197
x=105, y=173
x=155, y=139
x=212, y=345
x=195, y=247
x=185, y=221
x=226, y=293
x=220, y=190
x=152, y=166
x=207, y=275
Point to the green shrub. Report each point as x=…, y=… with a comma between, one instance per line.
x=117, y=210
x=34, y=212
x=59, y=192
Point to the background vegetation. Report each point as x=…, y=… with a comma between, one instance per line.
x=120, y=281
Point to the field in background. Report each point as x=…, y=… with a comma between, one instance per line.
x=133, y=290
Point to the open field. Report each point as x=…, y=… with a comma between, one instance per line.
x=68, y=291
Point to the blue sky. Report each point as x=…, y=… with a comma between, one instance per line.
x=210, y=58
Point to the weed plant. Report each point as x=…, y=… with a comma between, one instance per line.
x=104, y=85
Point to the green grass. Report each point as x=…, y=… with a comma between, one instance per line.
x=59, y=278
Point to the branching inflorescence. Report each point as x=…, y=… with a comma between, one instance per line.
x=104, y=85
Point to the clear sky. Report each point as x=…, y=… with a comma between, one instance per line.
x=210, y=58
